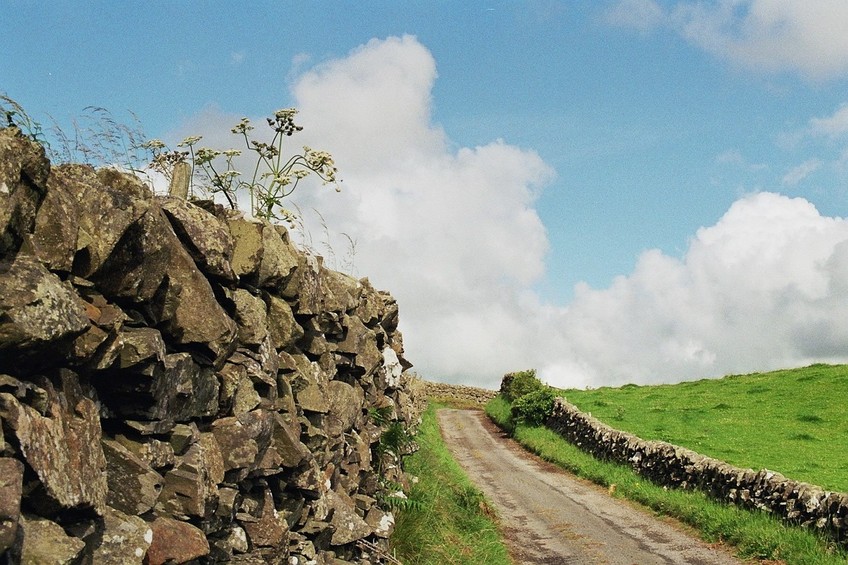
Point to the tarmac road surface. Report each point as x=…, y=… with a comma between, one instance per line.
x=551, y=517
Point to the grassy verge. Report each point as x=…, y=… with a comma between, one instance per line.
x=754, y=534
x=451, y=525
x=789, y=421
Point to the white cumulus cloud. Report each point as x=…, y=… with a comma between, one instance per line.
x=453, y=233
x=767, y=35
x=765, y=287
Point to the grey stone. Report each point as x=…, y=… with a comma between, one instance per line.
x=24, y=170
x=250, y=317
x=173, y=389
x=361, y=342
x=286, y=440
x=345, y=406
x=11, y=484
x=381, y=523
x=269, y=528
x=55, y=242
x=37, y=310
x=243, y=439
x=150, y=267
x=105, y=213
x=282, y=327
x=204, y=236
x=124, y=539
x=190, y=488
x=349, y=526
x=44, y=541
x=261, y=257
x=133, y=486
x=64, y=447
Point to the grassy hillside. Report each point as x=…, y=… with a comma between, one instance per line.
x=753, y=534
x=792, y=421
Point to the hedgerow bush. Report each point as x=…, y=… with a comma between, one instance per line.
x=535, y=407
x=517, y=384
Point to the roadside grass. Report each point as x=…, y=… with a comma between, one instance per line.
x=451, y=522
x=791, y=421
x=755, y=535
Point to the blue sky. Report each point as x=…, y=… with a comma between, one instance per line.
x=592, y=139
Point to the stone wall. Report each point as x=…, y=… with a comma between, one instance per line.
x=674, y=466
x=179, y=383
x=458, y=393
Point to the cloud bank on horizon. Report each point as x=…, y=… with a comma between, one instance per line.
x=454, y=234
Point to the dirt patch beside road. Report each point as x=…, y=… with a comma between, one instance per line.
x=550, y=517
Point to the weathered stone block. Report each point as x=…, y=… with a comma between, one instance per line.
x=175, y=542
x=11, y=483
x=283, y=328
x=37, y=310
x=349, y=526
x=269, y=528
x=150, y=267
x=105, y=213
x=54, y=240
x=24, y=170
x=173, y=389
x=361, y=343
x=43, y=541
x=244, y=438
x=64, y=447
x=261, y=257
x=124, y=539
x=346, y=403
x=204, y=236
x=191, y=487
x=133, y=486
x=286, y=440
x=381, y=523
x=250, y=317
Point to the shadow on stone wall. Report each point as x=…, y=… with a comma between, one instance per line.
x=179, y=382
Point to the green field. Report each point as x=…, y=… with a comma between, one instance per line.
x=791, y=421
x=753, y=535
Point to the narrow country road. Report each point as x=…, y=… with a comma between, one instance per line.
x=550, y=517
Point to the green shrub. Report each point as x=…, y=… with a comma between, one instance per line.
x=535, y=407
x=515, y=385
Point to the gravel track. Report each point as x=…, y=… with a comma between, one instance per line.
x=551, y=517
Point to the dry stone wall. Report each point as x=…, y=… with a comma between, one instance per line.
x=179, y=383
x=458, y=393
x=674, y=466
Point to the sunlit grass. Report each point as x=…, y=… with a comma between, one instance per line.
x=791, y=421
x=453, y=524
x=754, y=534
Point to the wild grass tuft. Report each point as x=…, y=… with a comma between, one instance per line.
x=453, y=524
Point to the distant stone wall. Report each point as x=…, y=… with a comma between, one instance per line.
x=460, y=393
x=179, y=383
x=675, y=466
